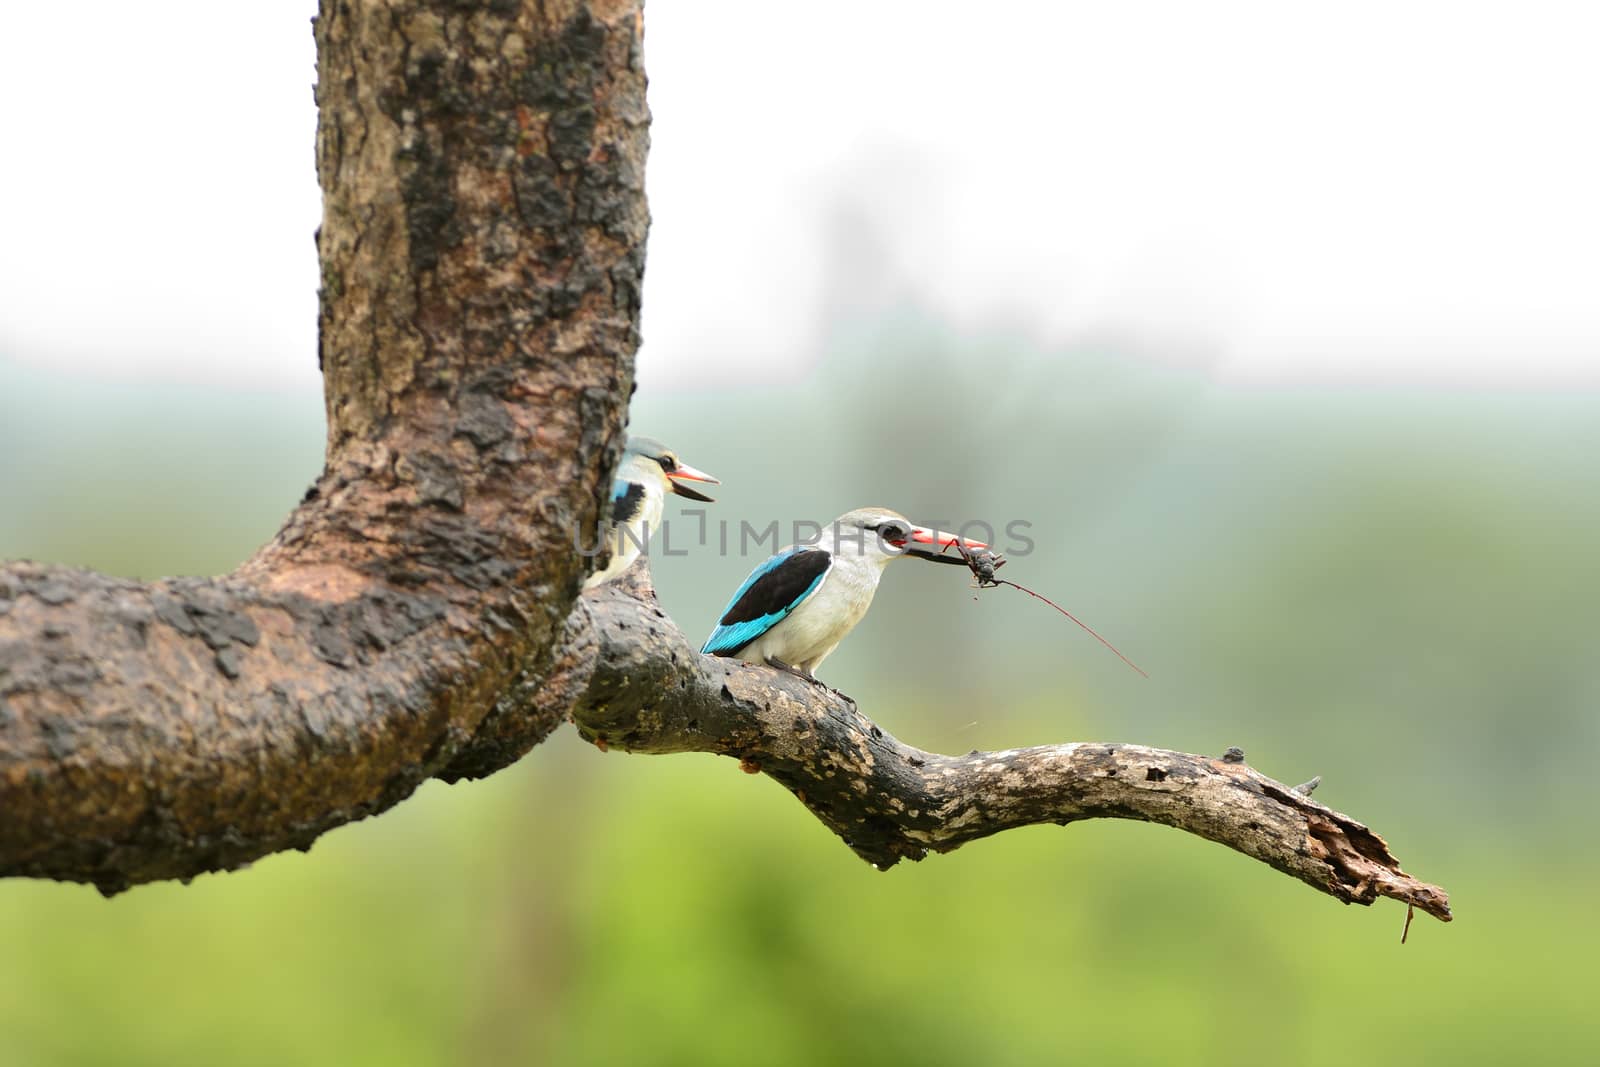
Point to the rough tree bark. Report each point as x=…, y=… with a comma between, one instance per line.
x=417, y=616
x=482, y=247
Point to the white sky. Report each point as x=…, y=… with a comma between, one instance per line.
x=1390, y=192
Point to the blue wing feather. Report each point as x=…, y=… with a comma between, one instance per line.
x=739, y=627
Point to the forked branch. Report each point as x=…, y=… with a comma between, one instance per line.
x=482, y=250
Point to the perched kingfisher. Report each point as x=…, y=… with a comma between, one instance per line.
x=795, y=608
x=649, y=471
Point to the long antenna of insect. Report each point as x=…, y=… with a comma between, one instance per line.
x=1089, y=629
x=984, y=563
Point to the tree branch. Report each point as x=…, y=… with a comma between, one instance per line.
x=482, y=248
x=634, y=682
x=418, y=614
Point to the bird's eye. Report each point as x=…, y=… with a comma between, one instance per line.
x=669, y=462
x=893, y=531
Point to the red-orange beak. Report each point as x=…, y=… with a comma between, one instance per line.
x=686, y=473
x=924, y=536
x=940, y=546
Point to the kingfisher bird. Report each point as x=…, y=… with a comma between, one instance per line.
x=649, y=471
x=796, y=607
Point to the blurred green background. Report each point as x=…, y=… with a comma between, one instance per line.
x=1395, y=590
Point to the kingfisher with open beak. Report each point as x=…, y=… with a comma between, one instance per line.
x=795, y=608
x=649, y=471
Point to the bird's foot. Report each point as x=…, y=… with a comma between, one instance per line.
x=798, y=672
x=778, y=664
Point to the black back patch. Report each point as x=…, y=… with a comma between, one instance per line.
x=777, y=589
x=624, y=507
